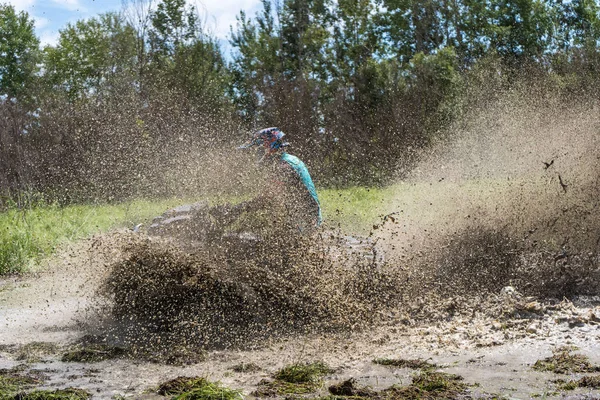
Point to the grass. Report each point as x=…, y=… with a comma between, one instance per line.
x=27, y=235
x=563, y=361
x=401, y=363
x=36, y=351
x=59, y=394
x=197, y=388
x=94, y=353
x=427, y=385
x=294, y=379
x=355, y=208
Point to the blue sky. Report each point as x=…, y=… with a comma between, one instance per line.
x=52, y=15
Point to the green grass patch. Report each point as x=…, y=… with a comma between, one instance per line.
x=430, y=385
x=196, y=388
x=355, y=208
x=303, y=373
x=297, y=378
x=12, y=382
x=60, y=394
x=427, y=385
x=36, y=351
x=27, y=235
x=401, y=363
x=94, y=353
x=590, y=381
x=563, y=361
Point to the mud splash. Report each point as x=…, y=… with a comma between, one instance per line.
x=159, y=295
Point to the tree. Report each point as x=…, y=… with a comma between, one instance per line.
x=19, y=53
x=184, y=56
x=90, y=55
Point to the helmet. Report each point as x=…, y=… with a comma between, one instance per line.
x=270, y=138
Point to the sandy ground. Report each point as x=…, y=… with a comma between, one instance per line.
x=495, y=356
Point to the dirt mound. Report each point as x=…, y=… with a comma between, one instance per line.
x=227, y=294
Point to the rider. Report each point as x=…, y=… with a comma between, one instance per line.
x=291, y=172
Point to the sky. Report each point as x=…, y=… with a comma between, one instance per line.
x=52, y=15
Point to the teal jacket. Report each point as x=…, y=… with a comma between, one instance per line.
x=300, y=169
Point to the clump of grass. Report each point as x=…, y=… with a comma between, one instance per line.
x=303, y=373
x=246, y=367
x=430, y=385
x=401, y=363
x=267, y=388
x=563, y=361
x=298, y=378
x=592, y=381
x=11, y=383
x=35, y=351
x=94, y=353
x=196, y=388
x=60, y=394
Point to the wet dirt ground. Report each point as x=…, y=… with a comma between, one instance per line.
x=495, y=357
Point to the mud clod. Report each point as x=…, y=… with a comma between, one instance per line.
x=348, y=389
x=563, y=361
x=246, y=367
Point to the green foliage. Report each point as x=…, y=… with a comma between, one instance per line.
x=90, y=55
x=19, y=53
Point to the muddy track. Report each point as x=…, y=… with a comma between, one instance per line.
x=495, y=354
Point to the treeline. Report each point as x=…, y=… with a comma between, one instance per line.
x=358, y=85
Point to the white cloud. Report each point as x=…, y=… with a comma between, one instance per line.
x=49, y=38
x=41, y=22
x=221, y=13
x=71, y=5
x=20, y=5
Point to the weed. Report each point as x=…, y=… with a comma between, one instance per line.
x=196, y=388
x=401, y=363
x=563, y=362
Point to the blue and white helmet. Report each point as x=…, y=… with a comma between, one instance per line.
x=270, y=138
